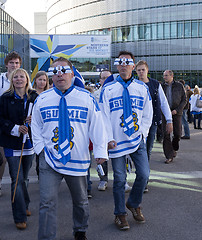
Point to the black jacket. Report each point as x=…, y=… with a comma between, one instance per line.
x=12, y=112
x=153, y=85
x=178, y=96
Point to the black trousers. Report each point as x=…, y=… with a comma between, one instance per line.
x=172, y=143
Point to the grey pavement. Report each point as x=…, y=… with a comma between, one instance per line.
x=172, y=207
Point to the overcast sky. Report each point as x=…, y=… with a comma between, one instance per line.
x=23, y=11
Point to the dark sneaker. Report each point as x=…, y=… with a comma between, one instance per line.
x=89, y=194
x=121, y=222
x=185, y=137
x=80, y=236
x=137, y=214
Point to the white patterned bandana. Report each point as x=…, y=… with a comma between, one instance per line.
x=55, y=70
x=121, y=61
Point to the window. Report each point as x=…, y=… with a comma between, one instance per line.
x=160, y=30
x=135, y=33
x=173, y=30
x=166, y=30
x=180, y=30
x=187, y=29
x=147, y=31
x=119, y=35
x=154, y=31
x=114, y=39
x=126, y=34
x=141, y=32
x=194, y=29
x=200, y=29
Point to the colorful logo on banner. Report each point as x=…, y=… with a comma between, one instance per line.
x=48, y=50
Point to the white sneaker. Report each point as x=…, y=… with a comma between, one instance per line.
x=127, y=188
x=102, y=186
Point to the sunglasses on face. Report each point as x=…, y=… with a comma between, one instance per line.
x=55, y=70
x=121, y=61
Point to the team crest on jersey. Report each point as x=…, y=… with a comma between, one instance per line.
x=135, y=119
x=55, y=138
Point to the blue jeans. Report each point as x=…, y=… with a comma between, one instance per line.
x=150, y=139
x=22, y=200
x=49, y=182
x=197, y=116
x=141, y=162
x=185, y=123
x=89, y=182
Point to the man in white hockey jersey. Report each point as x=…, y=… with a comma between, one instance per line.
x=64, y=119
x=127, y=110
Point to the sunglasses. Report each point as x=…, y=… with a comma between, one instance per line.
x=121, y=61
x=55, y=70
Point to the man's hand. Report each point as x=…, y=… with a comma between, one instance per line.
x=174, y=112
x=28, y=120
x=169, y=128
x=112, y=144
x=100, y=160
x=23, y=129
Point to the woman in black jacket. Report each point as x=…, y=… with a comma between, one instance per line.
x=14, y=130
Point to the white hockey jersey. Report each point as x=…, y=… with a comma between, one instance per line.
x=111, y=104
x=86, y=123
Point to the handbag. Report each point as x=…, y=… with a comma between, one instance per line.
x=199, y=102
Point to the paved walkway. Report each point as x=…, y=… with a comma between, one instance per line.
x=172, y=207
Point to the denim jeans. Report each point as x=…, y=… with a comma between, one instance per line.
x=185, y=123
x=197, y=116
x=89, y=182
x=139, y=157
x=150, y=139
x=49, y=182
x=22, y=200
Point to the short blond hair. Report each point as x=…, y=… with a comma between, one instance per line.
x=27, y=87
x=141, y=62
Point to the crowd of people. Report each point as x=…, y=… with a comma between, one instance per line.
x=57, y=123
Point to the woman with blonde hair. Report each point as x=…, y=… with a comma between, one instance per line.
x=196, y=111
x=14, y=127
x=41, y=82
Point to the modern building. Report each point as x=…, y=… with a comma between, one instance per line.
x=167, y=34
x=13, y=37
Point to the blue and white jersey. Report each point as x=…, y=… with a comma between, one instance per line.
x=111, y=104
x=86, y=123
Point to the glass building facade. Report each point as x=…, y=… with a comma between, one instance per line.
x=167, y=34
x=13, y=37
